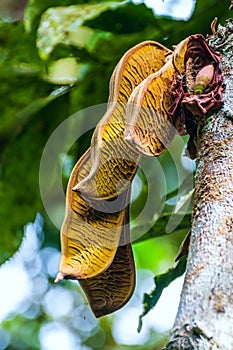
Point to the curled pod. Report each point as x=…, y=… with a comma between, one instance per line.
x=203, y=79
x=95, y=237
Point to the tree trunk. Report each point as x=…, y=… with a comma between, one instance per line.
x=205, y=315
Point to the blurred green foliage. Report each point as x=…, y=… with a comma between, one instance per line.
x=36, y=96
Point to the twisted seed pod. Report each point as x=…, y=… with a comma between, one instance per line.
x=96, y=248
x=203, y=79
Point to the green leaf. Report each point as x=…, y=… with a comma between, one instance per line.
x=161, y=281
x=35, y=8
x=66, y=25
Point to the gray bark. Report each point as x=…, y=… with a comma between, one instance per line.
x=205, y=315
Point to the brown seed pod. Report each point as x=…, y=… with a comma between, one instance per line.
x=95, y=241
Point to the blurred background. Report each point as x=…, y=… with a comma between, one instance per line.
x=56, y=59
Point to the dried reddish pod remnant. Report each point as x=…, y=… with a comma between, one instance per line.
x=198, y=90
x=208, y=88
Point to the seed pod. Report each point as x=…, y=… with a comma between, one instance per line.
x=96, y=248
x=203, y=78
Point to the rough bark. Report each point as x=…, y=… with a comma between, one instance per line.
x=205, y=315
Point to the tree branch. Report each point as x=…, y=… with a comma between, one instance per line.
x=205, y=315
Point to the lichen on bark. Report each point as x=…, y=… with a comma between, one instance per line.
x=205, y=315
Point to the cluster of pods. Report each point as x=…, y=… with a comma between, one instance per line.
x=154, y=94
